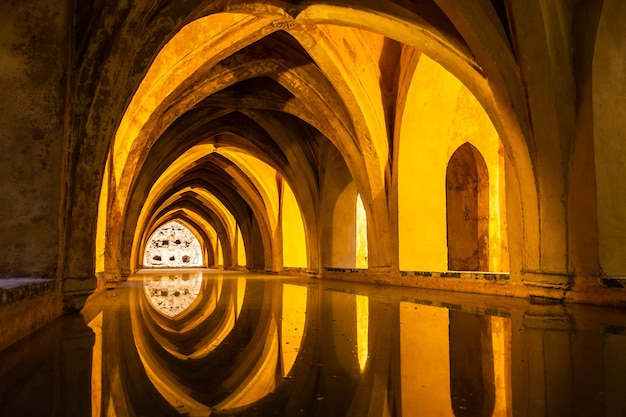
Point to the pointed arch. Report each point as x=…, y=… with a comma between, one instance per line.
x=467, y=210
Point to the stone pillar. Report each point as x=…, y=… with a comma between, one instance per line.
x=542, y=372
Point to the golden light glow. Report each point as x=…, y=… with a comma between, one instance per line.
x=292, y=324
x=173, y=293
x=204, y=40
x=440, y=115
x=180, y=215
x=362, y=329
x=361, y=234
x=293, y=234
x=173, y=245
x=350, y=321
x=241, y=292
x=501, y=339
x=261, y=380
x=424, y=352
x=219, y=253
x=436, y=113
x=262, y=175
x=101, y=226
x=241, y=249
x=96, y=366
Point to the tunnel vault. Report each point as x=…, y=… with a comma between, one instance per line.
x=216, y=113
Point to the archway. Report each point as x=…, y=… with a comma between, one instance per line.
x=467, y=208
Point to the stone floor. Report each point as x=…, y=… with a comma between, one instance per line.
x=199, y=342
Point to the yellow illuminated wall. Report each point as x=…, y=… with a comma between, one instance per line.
x=439, y=116
x=362, y=329
x=220, y=253
x=361, y=234
x=429, y=365
x=501, y=339
x=294, y=239
x=101, y=223
x=424, y=352
x=292, y=324
x=241, y=250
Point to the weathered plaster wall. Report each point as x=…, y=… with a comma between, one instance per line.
x=609, y=125
x=33, y=61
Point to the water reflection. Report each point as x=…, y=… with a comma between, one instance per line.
x=173, y=293
x=252, y=345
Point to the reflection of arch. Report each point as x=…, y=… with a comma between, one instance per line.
x=467, y=207
x=472, y=387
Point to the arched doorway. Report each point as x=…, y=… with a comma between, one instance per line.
x=467, y=207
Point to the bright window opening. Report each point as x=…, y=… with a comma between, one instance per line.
x=173, y=246
x=361, y=234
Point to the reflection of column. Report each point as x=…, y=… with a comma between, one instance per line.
x=48, y=372
x=126, y=387
x=424, y=353
x=542, y=362
x=501, y=338
x=96, y=367
x=254, y=373
x=615, y=373
x=599, y=356
x=292, y=324
x=373, y=396
x=341, y=371
x=76, y=351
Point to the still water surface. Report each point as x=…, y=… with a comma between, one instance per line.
x=199, y=343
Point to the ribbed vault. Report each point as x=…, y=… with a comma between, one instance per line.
x=240, y=107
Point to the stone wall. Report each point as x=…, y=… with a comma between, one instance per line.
x=34, y=45
x=34, y=39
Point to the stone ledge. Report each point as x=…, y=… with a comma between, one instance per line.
x=471, y=275
x=13, y=290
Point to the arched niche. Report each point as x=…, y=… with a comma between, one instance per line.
x=467, y=210
x=438, y=115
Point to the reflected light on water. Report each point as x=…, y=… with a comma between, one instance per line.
x=173, y=293
x=263, y=345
